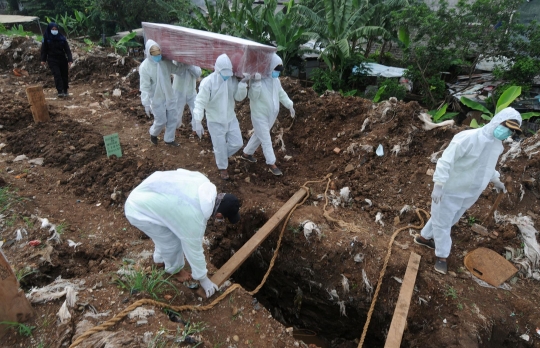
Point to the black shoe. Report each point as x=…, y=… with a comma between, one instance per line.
x=430, y=243
x=61, y=95
x=172, y=143
x=248, y=158
x=66, y=94
x=275, y=171
x=153, y=139
x=441, y=266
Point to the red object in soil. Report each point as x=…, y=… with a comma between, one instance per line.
x=34, y=242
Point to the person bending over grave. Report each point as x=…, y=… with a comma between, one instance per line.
x=217, y=93
x=185, y=89
x=264, y=98
x=157, y=94
x=172, y=208
x=56, y=53
x=464, y=170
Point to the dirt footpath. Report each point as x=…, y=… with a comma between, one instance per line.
x=322, y=284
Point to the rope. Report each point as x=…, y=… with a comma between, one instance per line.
x=117, y=318
x=383, y=271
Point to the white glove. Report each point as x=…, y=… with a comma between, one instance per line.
x=292, y=112
x=498, y=185
x=199, y=128
x=257, y=77
x=209, y=287
x=147, y=110
x=437, y=193
x=246, y=78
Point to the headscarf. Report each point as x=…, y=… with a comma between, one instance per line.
x=49, y=36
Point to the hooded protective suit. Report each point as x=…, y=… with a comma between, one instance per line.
x=157, y=92
x=217, y=97
x=184, y=87
x=465, y=169
x=265, y=96
x=172, y=208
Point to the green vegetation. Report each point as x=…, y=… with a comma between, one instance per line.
x=8, y=196
x=451, y=292
x=441, y=114
x=22, y=329
x=136, y=280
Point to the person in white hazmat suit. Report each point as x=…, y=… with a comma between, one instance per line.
x=217, y=93
x=264, y=98
x=184, y=87
x=172, y=208
x=157, y=95
x=464, y=170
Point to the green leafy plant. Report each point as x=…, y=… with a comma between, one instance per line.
x=471, y=220
x=22, y=329
x=392, y=89
x=325, y=79
x=441, y=114
x=121, y=46
x=136, y=280
x=508, y=96
x=377, y=96
x=350, y=93
x=7, y=198
x=20, y=274
x=295, y=230
x=61, y=228
x=451, y=292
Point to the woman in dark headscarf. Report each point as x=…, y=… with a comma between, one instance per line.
x=55, y=51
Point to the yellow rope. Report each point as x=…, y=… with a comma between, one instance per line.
x=117, y=318
x=383, y=271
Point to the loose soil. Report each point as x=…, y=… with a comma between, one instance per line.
x=316, y=287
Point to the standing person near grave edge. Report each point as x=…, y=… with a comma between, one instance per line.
x=464, y=170
x=264, y=98
x=172, y=208
x=217, y=93
x=157, y=95
x=185, y=89
x=55, y=52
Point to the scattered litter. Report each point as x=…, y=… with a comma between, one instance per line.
x=117, y=93
x=359, y=257
x=444, y=321
x=345, y=193
x=342, y=308
x=364, y=125
x=141, y=313
x=395, y=150
x=333, y=294
x=366, y=148
x=286, y=158
x=71, y=296
x=429, y=125
x=367, y=284
x=368, y=201
x=37, y=161
x=525, y=337
x=2, y=145
x=44, y=222
x=34, y=243
x=20, y=158
x=399, y=280
x=406, y=208
x=19, y=234
x=430, y=172
x=480, y=282
x=378, y=218
x=422, y=301
x=63, y=314
x=73, y=244
x=380, y=150
x=309, y=227
x=53, y=291
x=345, y=284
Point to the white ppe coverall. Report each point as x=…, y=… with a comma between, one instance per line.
x=172, y=208
x=184, y=87
x=264, y=98
x=156, y=92
x=217, y=97
x=465, y=169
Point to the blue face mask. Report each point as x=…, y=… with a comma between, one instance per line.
x=157, y=58
x=225, y=78
x=54, y=32
x=275, y=74
x=502, y=132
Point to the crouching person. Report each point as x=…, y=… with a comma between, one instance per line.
x=172, y=208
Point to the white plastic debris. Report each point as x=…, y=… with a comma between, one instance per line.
x=19, y=234
x=406, y=208
x=286, y=158
x=380, y=150
x=429, y=125
x=117, y=92
x=359, y=257
x=37, y=161
x=63, y=314
x=422, y=301
x=44, y=222
x=368, y=201
x=399, y=280
x=53, y=291
x=525, y=337
x=345, y=284
x=395, y=150
x=341, y=305
x=71, y=296
x=435, y=156
x=309, y=228
x=141, y=313
x=444, y=321
x=345, y=193
x=378, y=218
x=333, y=294
x=20, y=158
x=73, y=244
x=503, y=286
x=367, y=284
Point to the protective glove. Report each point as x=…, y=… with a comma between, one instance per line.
x=498, y=185
x=437, y=193
x=292, y=112
x=209, y=287
x=246, y=78
x=199, y=129
x=147, y=110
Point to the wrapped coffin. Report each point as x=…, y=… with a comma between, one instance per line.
x=201, y=48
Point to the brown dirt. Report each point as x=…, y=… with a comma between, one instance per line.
x=79, y=187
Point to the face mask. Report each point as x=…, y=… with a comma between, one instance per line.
x=275, y=74
x=225, y=78
x=501, y=132
x=156, y=58
x=54, y=32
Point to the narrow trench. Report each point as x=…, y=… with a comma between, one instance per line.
x=295, y=295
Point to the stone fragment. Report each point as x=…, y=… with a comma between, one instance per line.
x=337, y=150
x=481, y=230
x=349, y=168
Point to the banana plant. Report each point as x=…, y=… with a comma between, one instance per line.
x=504, y=100
x=441, y=114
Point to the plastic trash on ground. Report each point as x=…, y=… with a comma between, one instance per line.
x=380, y=150
x=310, y=227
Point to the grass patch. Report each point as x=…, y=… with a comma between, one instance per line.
x=137, y=280
x=8, y=196
x=22, y=329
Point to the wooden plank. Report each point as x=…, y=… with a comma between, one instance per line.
x=247, y=249
x=399, y=320
x=14, y=306
x=38, y=105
